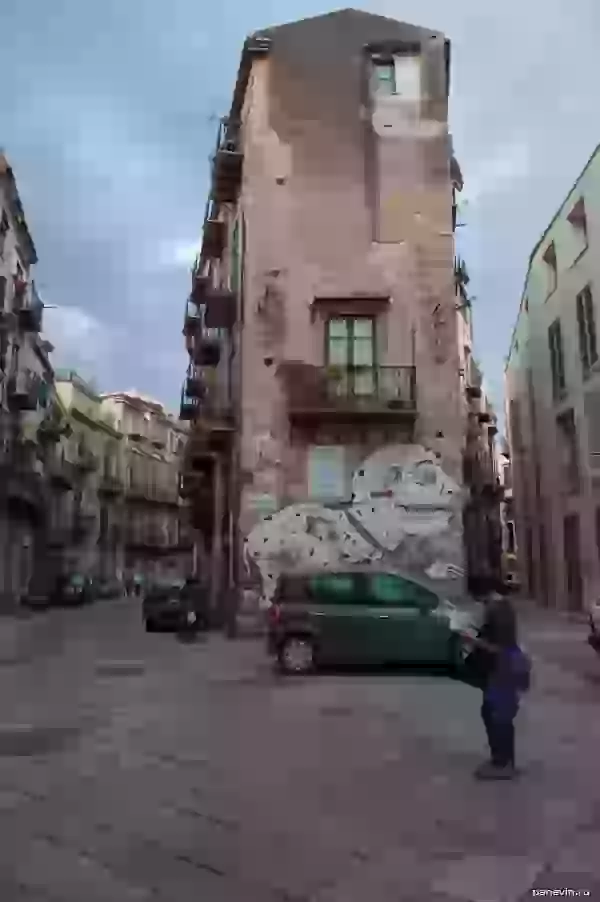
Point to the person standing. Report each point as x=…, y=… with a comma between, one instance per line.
x=503, y=672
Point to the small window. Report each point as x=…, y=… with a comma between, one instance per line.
x=387, y=588
x=568, y=452
x=3, y=232
x=586, y=322
x=334, y=588
x=384, y=77
x=557, y=364
x=408, y=76
x=578, y=220
x=549, y=258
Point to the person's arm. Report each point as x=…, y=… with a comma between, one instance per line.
x=482, y=643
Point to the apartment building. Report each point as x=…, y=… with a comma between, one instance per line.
x=87, y=471
x=25, y=379
x=157, y=532
x=553, y=404
x=507, y=517
x=481, y=476
x=326, y=388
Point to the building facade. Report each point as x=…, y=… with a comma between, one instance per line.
x=481, y=476
x=88, y=476
x=326, y=386
x=25, y=386
x=157, y=538
x=553, y=405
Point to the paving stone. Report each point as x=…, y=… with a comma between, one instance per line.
x=198, y=774
x=488, y=879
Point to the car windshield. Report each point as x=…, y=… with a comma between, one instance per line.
x=76, y=579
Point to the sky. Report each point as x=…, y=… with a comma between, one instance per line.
x=108, y=114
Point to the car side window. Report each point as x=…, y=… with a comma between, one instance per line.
x=333, y=588
x=387, y=588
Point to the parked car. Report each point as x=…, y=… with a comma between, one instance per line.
x=594, y=621
x=107, y=588
x=176, y=605
x=366, y=616
x=71, y=589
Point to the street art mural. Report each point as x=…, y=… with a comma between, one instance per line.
x=405, y=514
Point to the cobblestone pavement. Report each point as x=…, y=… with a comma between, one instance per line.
x=136, y=767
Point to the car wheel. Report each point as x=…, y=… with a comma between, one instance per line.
x=297, y=655
x=150, y=626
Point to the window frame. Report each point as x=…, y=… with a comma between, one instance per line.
x=383, y=61
x=577, y=219
x=416, y=586
x=557, y=359
x=4, y=230
x=550, y=259
x=331, y=601
x=352, y=371
x=588, y=343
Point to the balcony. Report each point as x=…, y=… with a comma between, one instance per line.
x=28, y=306
x=195, y=386
x=201, y=285
x=189, y=406
x=220, y=310
x=61, y=471
x=110, y=484
x=214, y=233
x=24, y=390
x=227, y=165
x=86, y=460
x=193, y=320
x=205, y=348
x=383, y=394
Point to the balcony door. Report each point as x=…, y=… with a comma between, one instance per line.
x=350, y=353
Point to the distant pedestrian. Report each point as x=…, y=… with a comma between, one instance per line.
x=503, y=671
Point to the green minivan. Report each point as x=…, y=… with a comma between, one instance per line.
x=365, y=616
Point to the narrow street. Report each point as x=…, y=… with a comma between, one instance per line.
x=135, y=767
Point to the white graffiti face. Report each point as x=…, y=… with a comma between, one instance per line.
x=407, y=474
x=403, y=504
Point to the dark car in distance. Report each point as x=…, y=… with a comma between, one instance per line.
x=71, y=590
x=365, y=617
x=175, y=605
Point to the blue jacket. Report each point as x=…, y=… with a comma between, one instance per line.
x=505, y=681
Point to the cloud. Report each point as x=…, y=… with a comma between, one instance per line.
x=111, y=122
x=178, y=254
x=81, y=341
x=498, y=173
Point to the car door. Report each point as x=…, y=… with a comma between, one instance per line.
x=394, y=617
x=336, y=614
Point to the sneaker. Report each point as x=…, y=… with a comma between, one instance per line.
x=491, y=771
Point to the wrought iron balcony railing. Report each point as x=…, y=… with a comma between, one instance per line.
x=384, y=391
x=227, y=166
x=28, y=306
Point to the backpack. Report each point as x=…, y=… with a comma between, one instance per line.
x=520, y=664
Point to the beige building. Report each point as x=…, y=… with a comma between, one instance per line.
x=553, y=404
x=327, y=380
x=157, y=534
x=87, y=473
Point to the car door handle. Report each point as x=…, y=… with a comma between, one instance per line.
x=384, y=616
x=319, y=613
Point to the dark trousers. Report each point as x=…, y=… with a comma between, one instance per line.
x=500, y=731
